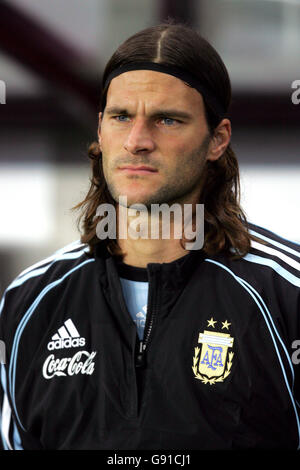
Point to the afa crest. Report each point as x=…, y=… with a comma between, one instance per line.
x=212, y=362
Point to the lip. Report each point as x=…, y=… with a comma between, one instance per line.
x=138, y=169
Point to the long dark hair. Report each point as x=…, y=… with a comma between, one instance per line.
x=176, y=44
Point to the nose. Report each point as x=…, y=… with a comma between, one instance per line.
x=139, y=139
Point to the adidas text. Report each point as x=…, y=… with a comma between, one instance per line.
x=66, y=343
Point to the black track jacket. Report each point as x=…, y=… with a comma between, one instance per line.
x=218, y=368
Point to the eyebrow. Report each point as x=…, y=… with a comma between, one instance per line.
x=176, y=113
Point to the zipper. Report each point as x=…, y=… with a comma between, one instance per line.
x=140, y=359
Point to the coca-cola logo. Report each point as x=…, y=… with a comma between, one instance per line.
x=81, y=363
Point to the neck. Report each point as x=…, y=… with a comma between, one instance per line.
x=140, y=254
x=148, y=238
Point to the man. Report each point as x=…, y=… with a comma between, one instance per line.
x=141, y=343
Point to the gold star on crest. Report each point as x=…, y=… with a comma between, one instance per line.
x=211, y=322
x=225, y=324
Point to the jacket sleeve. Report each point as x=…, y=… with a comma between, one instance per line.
x=10, y=436
x=10, y=433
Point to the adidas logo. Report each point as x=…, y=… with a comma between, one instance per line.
x=66, y=337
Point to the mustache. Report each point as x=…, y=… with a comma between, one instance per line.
x=142, y=160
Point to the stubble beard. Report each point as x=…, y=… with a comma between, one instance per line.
x=178, y=187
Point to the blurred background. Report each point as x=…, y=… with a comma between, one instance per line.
x=52, y=55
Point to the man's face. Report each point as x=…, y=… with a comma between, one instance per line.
x=153, y=120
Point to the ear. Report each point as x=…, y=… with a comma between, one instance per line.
x=220, y=140
x=99, y=130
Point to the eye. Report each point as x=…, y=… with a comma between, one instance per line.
x=169, y=121
x=121, y=118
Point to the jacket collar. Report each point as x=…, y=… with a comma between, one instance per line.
x=172, y=275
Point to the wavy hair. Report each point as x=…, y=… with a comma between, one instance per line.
x=226, y=228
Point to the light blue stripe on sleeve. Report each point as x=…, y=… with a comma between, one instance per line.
x=275, y=243
x=17, y=439
x=277, y=267
x=37, y=272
